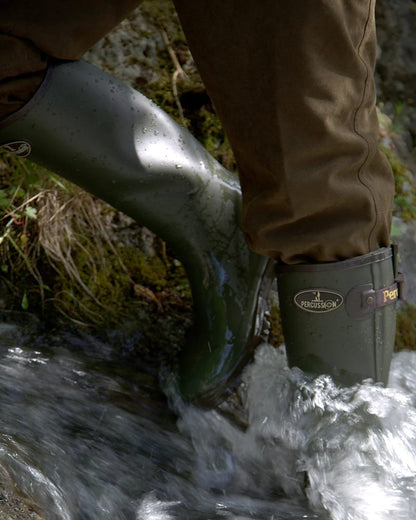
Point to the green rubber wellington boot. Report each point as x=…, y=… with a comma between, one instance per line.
x=340, y=318
x=109, y=139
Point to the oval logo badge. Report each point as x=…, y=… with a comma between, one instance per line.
x=20, y=148
x=318, y=300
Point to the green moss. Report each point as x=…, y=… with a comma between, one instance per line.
x=148, y=270
x=164, y=15
x=406, y=328
x=405, y=192
x=118, y=284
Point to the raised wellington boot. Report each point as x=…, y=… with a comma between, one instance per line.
x=339, y=318
x=109, y=139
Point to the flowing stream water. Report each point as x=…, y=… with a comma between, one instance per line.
x=86, y=434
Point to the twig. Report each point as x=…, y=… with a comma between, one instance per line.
x=179, y=73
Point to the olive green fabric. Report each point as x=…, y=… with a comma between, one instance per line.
x=293, y=85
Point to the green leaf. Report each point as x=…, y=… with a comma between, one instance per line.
x=25, y=302
x=20, y=193
x=4, y=203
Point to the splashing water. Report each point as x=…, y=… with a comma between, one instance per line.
x=86, y=435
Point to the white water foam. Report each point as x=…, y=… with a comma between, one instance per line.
x=350, y=451
x=87, y=440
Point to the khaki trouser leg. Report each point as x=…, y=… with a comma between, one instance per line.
x=293, y=85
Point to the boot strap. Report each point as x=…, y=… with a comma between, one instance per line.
x=364, y=299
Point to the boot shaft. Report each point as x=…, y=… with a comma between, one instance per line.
x=339, y=318
x=115, y=143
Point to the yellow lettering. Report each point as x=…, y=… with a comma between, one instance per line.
x=390, y=295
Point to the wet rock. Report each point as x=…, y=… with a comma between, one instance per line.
x=130, y=51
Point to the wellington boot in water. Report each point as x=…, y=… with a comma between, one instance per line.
x=339, y=318
x=115, y=143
